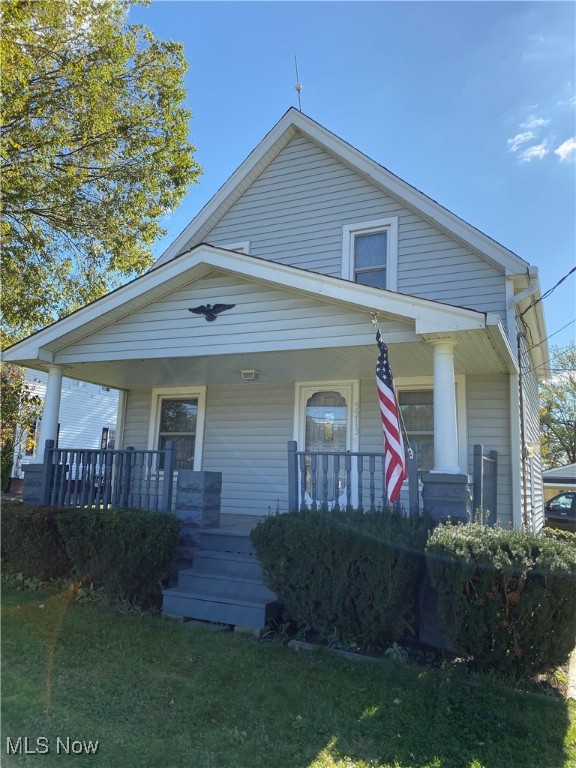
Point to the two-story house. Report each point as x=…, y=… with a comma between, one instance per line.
x=306, y=244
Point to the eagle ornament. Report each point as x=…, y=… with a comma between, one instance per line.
x=211, y=311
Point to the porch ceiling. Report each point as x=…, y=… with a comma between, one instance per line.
x=475, y=353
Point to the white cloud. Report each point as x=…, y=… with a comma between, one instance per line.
x=566, y=149
x=534, y=122
x=536, y=152
x=515, y=143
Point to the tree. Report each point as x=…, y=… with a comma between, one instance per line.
x=558, y=410
x=21, y=409
x=95, y=151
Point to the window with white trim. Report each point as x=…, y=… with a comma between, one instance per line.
x=178, y=419
x=177, y=414
x=417, y=408
x=370, y=253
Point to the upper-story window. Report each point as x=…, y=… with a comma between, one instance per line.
x=370, y=253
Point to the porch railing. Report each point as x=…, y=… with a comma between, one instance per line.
x=342, y=479
x=485, y=487
x=80, y=477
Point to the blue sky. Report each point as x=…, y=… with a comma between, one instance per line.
x=473, y=103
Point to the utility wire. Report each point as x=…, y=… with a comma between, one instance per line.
x=550, y=336
x=547, y=293
x=541, y=365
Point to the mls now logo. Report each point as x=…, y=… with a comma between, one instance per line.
x=42, y=746
x=26, y=746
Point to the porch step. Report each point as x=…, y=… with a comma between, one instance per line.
x=226, y=541
x=222, y=585
x=247, y=613
x=230, y=564
x=225, y=583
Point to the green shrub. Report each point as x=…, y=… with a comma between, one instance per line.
x=558, y=534
x=508, y=598
x=346, y=574
x=31, y=542
x=127, y=551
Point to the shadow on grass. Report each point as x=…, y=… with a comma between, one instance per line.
x=157, y=695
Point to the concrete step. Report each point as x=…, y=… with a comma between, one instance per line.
x=194, y=606
x=228, y=563
x=221, y=585
x=224, y=541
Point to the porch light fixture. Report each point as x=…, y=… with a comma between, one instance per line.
x=250, y=374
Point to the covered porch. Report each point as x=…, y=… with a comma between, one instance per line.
x=292, y=359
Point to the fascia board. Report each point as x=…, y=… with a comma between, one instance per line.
x=429, y=316
x=227, y=189
x=501, y=343
x=431, y=210
x=124, y=298
x=437, y=317
x=412, y=197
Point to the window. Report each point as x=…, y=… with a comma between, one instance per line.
x=108, y=438
x=370, y=253
x=417, y=409
x=177, y=414
x=178, y=418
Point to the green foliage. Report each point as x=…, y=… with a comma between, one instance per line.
x=347, y=574
x=31, y=542
x=558, y=534
x=508, y=598
x=20, y=409
x=94, y=144
x=127, y=551
x=558, y=410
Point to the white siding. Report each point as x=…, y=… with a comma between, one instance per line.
x=248, y=427
x=294, y=213
x=85, y=409
x=262, y=319
x=246, y=435
x=137, y=419
x=532, y=467
x=489, y=424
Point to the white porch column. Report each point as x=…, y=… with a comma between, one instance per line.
x=51, y=413
x=445, y=426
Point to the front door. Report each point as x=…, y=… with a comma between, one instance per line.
x=326, y=423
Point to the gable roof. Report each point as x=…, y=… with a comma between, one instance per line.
x=294, y=122
x=429, y=316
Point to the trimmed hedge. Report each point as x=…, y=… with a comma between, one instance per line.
x=347, y=574
x=507, y=598
x=31, y=542
x=127, y=551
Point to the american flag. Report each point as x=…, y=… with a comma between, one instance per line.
x=394, y=459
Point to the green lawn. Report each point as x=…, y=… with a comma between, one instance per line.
x=157, y=695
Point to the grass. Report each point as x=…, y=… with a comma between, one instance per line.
x=157, y=695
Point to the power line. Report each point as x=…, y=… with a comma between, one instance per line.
x=550, y=336
x=547, y=293
x=541, y=365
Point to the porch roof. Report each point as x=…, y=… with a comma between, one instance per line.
x=200, y=352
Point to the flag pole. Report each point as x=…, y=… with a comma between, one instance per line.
x=409, y=447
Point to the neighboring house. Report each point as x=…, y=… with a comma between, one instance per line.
x=87, y=419
x=558, y=480
x=306, y=241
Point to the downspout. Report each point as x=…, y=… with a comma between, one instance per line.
x=512, y=305
x=523, y=451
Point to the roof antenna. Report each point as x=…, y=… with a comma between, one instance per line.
x=298, y=86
